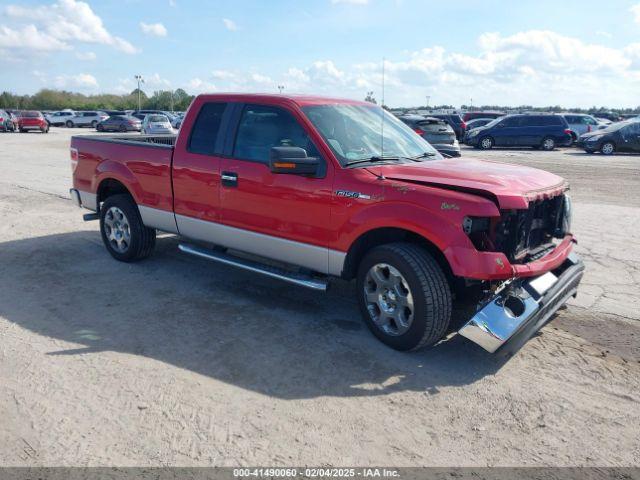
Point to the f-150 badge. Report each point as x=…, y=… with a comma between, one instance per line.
x=348, y=194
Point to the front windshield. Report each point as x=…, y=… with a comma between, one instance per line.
x=493, y=123
x=360, y=132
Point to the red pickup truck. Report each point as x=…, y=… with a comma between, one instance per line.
x=303, y=188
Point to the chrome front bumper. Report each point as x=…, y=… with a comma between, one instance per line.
x=517, y=312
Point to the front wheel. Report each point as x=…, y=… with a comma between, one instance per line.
x=486, y=143
x=69, y=124
x=403, y=296
x=608, y=148
x=122, y=230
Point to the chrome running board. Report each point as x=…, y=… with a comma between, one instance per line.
x=280, y=274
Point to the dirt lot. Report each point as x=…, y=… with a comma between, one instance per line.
x=175, y=361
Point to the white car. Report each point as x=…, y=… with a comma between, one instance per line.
x=60, y=118
x=177, y=121
x=86, y=119
x=155, y=123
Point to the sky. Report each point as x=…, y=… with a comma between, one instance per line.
x=485, y=52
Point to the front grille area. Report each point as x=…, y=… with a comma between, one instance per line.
x=522, y=233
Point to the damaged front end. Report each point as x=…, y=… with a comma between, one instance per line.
x=531, y=239
x=521, y=307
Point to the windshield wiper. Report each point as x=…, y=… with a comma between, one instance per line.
x=391, y=158
x=374, y=159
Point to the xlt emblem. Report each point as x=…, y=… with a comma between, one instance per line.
x=348, y=194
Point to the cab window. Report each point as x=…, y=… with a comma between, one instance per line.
x=263, y=127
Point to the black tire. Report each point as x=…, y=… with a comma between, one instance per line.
x=574, y=138
x=548, y=144
x=94, y=123
x=99, y=128
x=485, y=143
x=142, y=239
x=122, y=129
x=428, y=285
x=608, y=148
x=45, y=129
x=69, y=124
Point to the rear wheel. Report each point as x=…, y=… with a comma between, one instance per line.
x=69, y=124
x=94, y=123
x=608, y=148
x=45, y=129
x=486, y=143
x=99, y=128
x=122, y=128
x=404, y=296
x=548, y=144
x=122, y=230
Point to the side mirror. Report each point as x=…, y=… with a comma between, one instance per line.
x=293, y=160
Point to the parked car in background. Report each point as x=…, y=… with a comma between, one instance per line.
x=11, y=122
x=86, y=119
x=60, y=118
x=32, y=120
x=455, y=122
x=604, y=121
x=475, y=123
x=435, y=131
x=611, y=116
x=111, y=113
x=120, y=123
x=618, y=137
x=546, y=131
x=155, y=123
x=580, y=123
x=177, y=121
x=6, y=123
x=468, y=116
x=140, y=114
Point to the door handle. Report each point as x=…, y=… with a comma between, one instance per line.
x=229, y=179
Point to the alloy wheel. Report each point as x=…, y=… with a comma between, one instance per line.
x=117, y=229
x=388, y=299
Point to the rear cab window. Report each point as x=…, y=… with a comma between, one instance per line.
x=206, y=129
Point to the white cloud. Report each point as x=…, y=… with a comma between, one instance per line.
x=29, y=37
x=230, y=24
x=172, y=3
x=350, y=2
x=62, y=23
x=87, y=56
x=81, y=81
x=636, y=12
x=154, y=29
x=222, y=74
x=197, y=85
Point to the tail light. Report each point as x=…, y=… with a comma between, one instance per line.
x=567, y=131
x=419, y=131
x=464, y=125
x=74, y=159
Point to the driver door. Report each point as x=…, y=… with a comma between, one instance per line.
x=280, y=216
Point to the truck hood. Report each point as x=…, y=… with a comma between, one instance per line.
x=510, y=186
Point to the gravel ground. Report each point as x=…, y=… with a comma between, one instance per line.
x=176, y=361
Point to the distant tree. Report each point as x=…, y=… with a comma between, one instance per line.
x=370, y=98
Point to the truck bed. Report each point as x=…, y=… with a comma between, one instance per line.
x=142, y=162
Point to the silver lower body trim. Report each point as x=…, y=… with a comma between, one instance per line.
x=160, y=219
x=318, y=259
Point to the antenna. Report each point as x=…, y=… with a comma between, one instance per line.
x=382, y=116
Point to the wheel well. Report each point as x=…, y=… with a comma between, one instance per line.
x=109, y=187
x=381, y=236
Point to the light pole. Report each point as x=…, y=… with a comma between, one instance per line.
x=140, y=80
x=280, y=88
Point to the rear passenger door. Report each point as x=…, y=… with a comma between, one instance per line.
x=196, y=169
